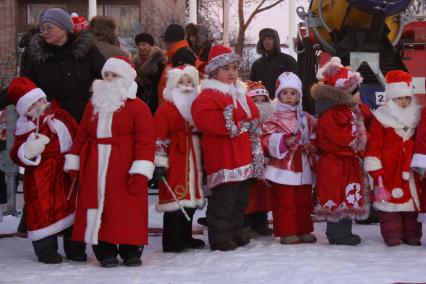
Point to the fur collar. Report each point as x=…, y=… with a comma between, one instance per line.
x=156, y=57
x=78, y=46
x=326, y=97
x=223, y=87
x=403, y=121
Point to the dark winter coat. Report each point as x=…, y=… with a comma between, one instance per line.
x=149, y=74
x=65, y=73
x=271, y=65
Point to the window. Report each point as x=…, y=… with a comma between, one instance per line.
x=127, y=17
x=35, y=10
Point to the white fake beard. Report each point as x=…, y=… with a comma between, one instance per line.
x=265, y=110
x=183, y=102
x=408, y=116
x=109, y=96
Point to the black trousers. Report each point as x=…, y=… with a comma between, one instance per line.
x=104, y=250
x=225, y=211
x=339, y=230
x=177, y=231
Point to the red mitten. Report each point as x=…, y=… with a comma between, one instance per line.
x=376, y=174
x=74, y=174
x=137, y=184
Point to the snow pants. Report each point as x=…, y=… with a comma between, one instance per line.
x=225, y=211
x=291, y=210
x=400, y=226
x=177, y=231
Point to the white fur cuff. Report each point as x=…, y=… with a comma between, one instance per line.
x=405, y=175
x=161, y=161
x=418, y=161
x=72, y=162
x=143, y=167
x=372, y=164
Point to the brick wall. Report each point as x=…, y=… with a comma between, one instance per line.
x=7, y=40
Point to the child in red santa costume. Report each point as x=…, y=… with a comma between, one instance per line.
x=260, y=201
x=232, y=153
x=48, y=192
x=288, y=136
x=341, y=138
x=178, y=158
x=388, y=156
x=114, y=153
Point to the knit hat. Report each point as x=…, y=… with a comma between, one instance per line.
x=22, y=92
x=175, y=74
x=144, y=37
x=288, y=80
x=255, y=89
x=59, y=18
x=80, y=23
x=174, y=33
x=220, y=56
x=334, y=74
x=120, y=65
x=398, y=84
x=183, y=56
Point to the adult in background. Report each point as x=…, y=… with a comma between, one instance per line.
x=198, y=39
x=104, y=28
x=149, y=63
x=178, y=53
x=62, y=63
x=272, y=62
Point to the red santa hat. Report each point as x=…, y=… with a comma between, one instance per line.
x=80, y=23
x=398, y=84
x=220, y=56
x=22, y=92
x=174, y=75
x=288, y=80
x=257, y=89
x=334, y=74
x=120, y=65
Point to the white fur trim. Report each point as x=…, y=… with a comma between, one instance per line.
x=405, y=175
x=23, y=125
x=131, y=92
x=28, y=99
x=119, y=67
x=397, y=192
x=26, y=161
x=72, y=162
x=398, y=89
x=282, y=176
x=175, y=74
x=161, y=161
x=220, y=61
x=91, y=217
x=274, y=145
x=421, y=218
x=372, y=164
x=64, y=136
x=173, y=206
x=143, y=167
x=392, y=207
x=418, y=161
x=52, y=229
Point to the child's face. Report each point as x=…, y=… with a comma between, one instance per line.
x=289, y=96
x=228, y=74
x=259, y=99
x=185, y=84
x=33, y=110
x=110, y=76
x=403, y=102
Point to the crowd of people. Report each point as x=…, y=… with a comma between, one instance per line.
x=95, y=126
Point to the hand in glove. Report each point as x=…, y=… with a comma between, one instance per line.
x=376, y=174
x=137, y=184
x=289, y=141
x=35, y=145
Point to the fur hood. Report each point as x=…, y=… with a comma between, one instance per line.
x=267, y=32
x=156, y=57
x=326, y=97
x=78, y=45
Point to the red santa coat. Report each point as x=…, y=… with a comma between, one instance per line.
x=419, y=160
x=230, y=136
x=178, y=149
x=341, y=137
x=108, y=149
x=390, y=147
x=48, y=193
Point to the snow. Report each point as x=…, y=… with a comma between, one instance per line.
x=264, y=260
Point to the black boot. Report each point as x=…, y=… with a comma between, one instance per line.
x=172, y=231
x=47, y=250
x=260, y=223
x=187, y=238
x=22, y=227
x=75, y=251
x=373, y=217
x=106, y=254
x=340, y=233
x=131, y=254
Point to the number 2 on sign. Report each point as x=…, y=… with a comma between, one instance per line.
x=380, y=98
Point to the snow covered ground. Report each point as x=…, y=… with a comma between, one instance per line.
x=262, y=261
